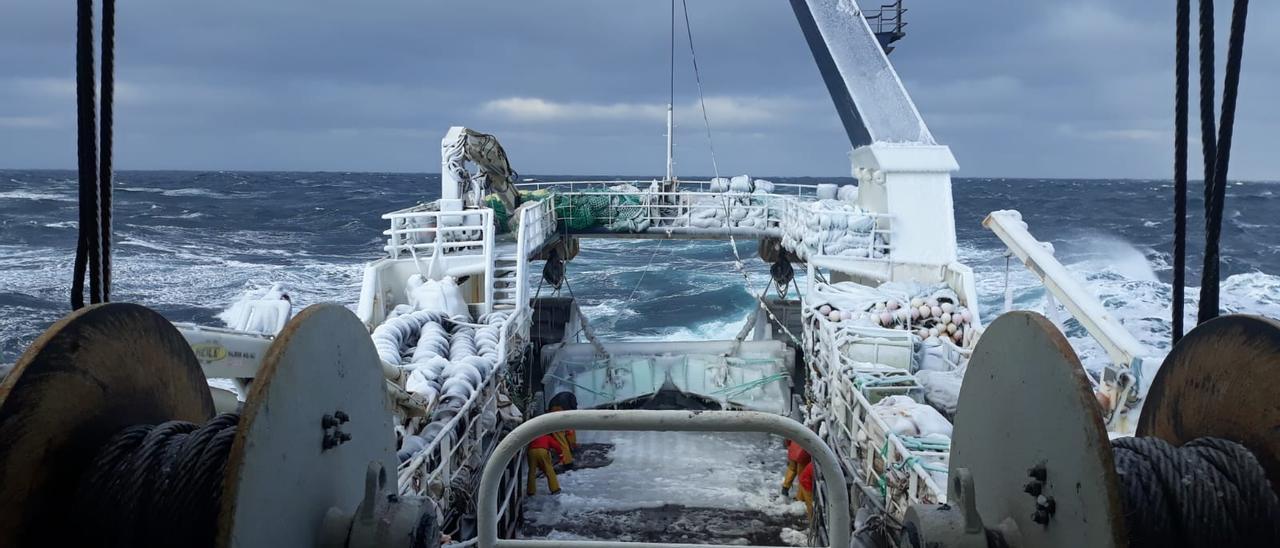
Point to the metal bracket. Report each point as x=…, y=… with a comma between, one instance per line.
x=836, y=490
x=383, y=519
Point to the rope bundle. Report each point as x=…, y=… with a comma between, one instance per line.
x=156, y=485
x=1209, y=492
x=94, y=145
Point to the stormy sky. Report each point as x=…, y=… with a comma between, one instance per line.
x=1031, y=88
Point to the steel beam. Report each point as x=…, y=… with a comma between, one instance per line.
x=869, y=97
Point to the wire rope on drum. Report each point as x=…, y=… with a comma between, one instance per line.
x=1210, y=491
x=156, y=485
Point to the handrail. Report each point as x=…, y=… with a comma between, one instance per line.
x=852, y=412
x=837, y=494
x=424, y=239
x=887, y=15
x=700, y=186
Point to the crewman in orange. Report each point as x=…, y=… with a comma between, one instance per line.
x=805, y=494
x=797, y=458
x=539, y=453
x=568, y=439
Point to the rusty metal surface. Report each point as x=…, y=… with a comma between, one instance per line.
x=1025, y=402
x=280, y=477
x=91, y=374
x=1221, y=380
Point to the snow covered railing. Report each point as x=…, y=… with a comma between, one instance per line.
x=450, y=462
x=693, y=213
x=418, y=230
x=850, y=366
x=703, y=185
x=536, y=223
x=836, y=228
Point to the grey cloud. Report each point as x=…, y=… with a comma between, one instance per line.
x=1035, y=88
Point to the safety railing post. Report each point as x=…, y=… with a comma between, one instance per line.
x=835, y=488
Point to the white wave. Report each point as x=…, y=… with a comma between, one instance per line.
x=28, y=195
x=203, y=192
x=1104, y=252
x=1123, y=279
x=145, y=244
x=191, y=215
x=63, y=224
x=715, y=330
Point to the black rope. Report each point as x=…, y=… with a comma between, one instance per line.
x=87, y=147
x=1182, y=65
x=93, y=246
x=155, y=485
x=105, y=142
x=1209, y=492
x=1216, y=187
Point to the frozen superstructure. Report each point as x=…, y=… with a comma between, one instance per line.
x=869, y=352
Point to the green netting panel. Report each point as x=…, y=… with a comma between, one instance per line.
x=500, y=214
x=614, y=212
x=628, y=215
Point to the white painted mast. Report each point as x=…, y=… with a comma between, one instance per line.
x=671, y=172
x=671, y=176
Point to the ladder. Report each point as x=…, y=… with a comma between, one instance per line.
x=505, y=281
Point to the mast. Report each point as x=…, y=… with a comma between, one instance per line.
x=671, y=174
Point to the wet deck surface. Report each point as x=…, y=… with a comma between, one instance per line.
x=674, y=523
x=699, y=488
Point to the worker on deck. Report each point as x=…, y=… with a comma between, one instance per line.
x=797, y=458
x=805, y=494
x=567, y=439
x=539, y=454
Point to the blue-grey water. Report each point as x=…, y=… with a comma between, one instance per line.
x=190, y=243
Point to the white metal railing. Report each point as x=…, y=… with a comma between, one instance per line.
x=432, y=471
x=823, y=232
x=536, y=224
x=701, y=185
x=832, y=475
x=417, y=231
x=435, y=464
x=897, y=467
x=683, y=212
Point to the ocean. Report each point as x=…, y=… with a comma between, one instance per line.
x=189, y=244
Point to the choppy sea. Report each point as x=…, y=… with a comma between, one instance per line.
x=189, y=244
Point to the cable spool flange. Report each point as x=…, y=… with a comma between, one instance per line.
x=1221, y=380
x=316, y=417
x=1027, y=415
x=94, y=372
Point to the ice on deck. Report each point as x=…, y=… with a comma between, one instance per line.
x=673, y=487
